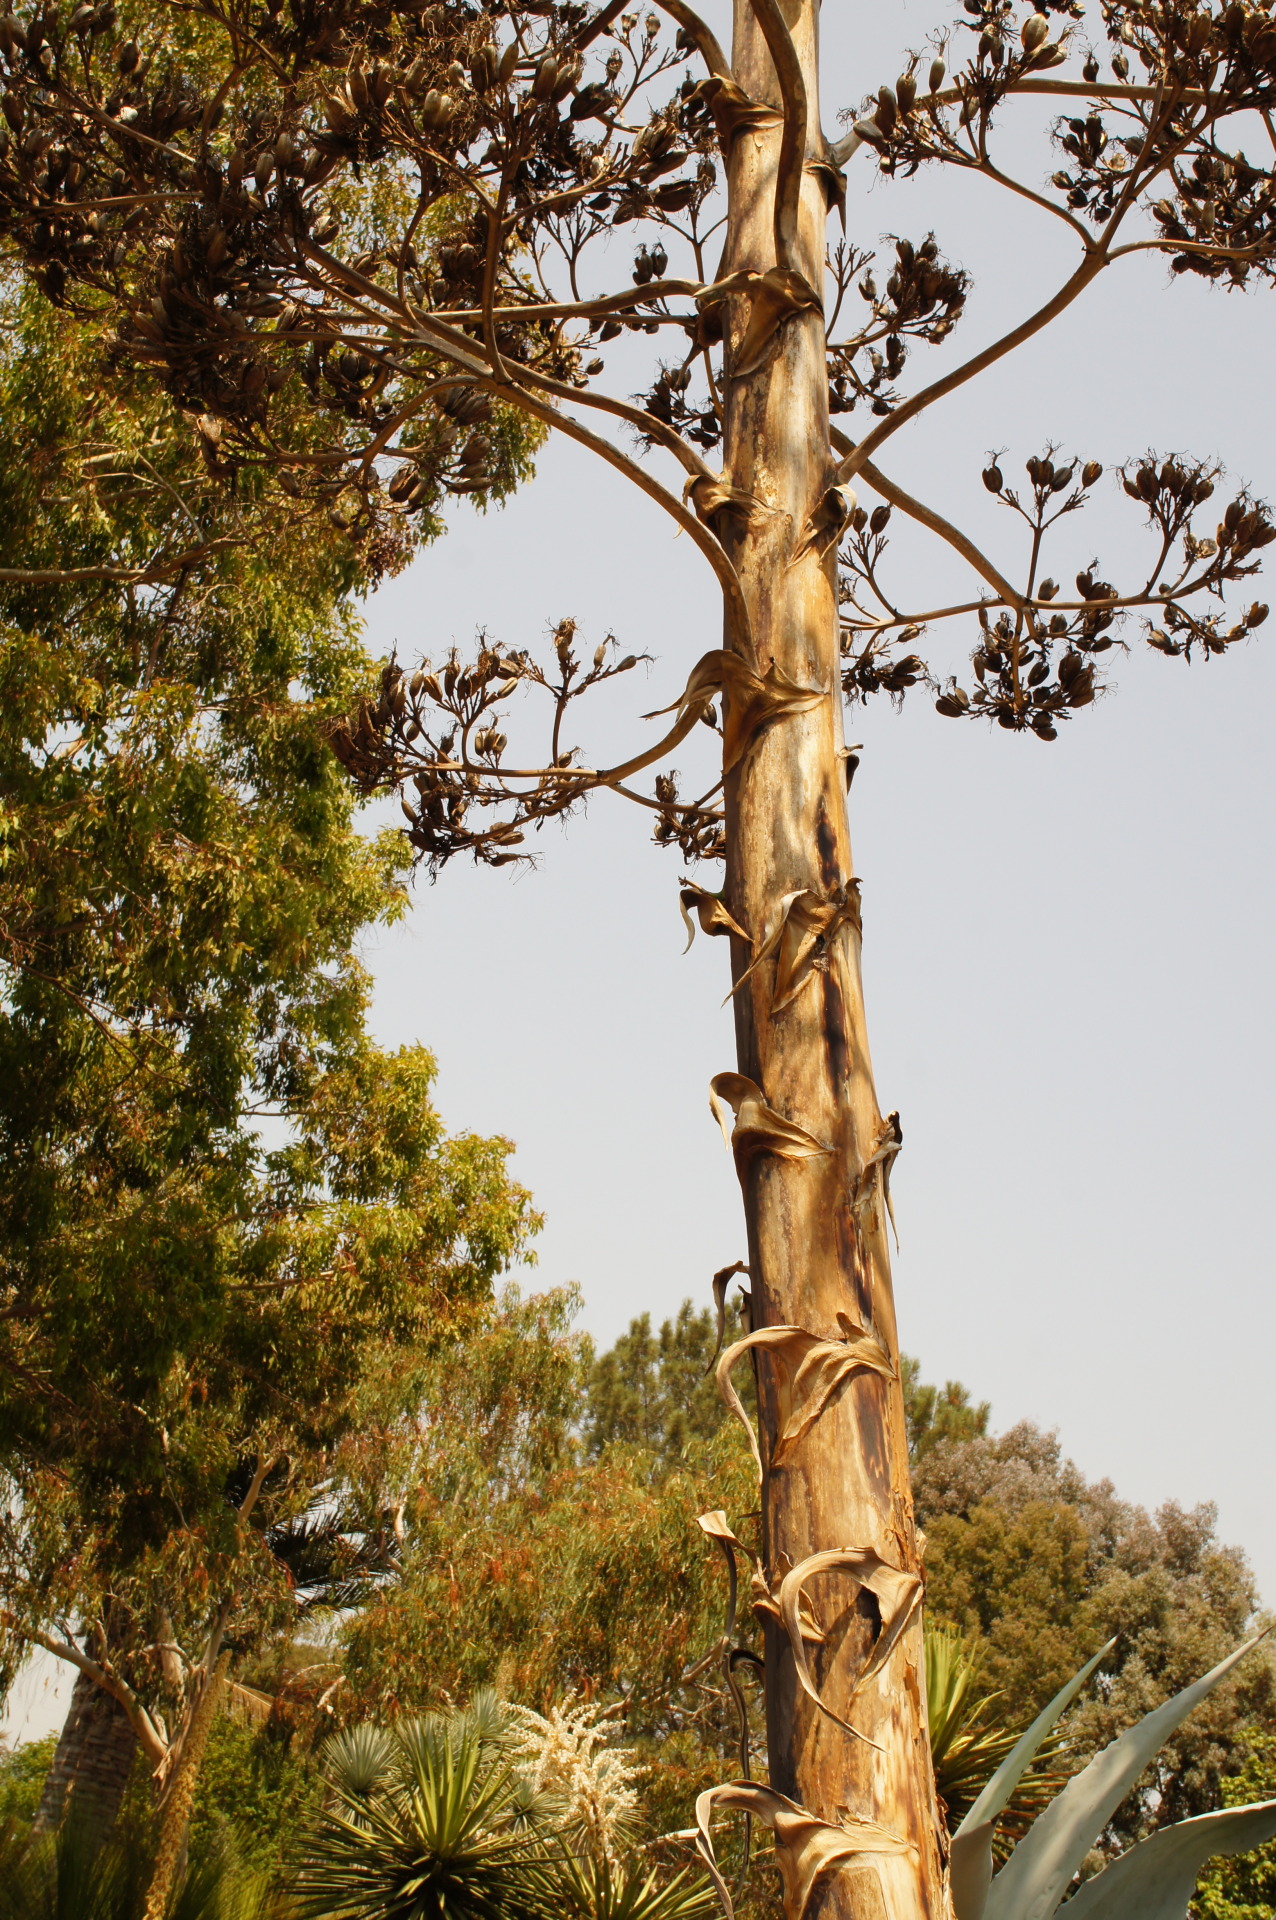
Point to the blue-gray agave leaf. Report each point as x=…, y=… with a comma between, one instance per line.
x=970, y=1870
x=1038, y=1873
x=1156, y=1879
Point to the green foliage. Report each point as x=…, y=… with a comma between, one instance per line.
x=223, y=1209
x=1244, y=1888
x=22, y=1771
x=1039, y=1567
x=933, y=1414
x=68, y=1876
x=657, y=1392
x=258, y=1786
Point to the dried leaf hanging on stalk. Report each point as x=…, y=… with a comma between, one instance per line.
x=721, y=1281
x=751, y=701
x=758, y=1128
x=803, y=932
x=811, y=1370
x=806, y=1849
x=890, y=1140
x=776, y=296
x=733, y=109
x=898, y=1595
x=709, y=496
x=710, y=911
x=825, y=525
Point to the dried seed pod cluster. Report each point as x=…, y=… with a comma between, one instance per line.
x=1035, y=661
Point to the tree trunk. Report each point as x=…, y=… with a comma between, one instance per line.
x=816, y=1227
x=91, y=1762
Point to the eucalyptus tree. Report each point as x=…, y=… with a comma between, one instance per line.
x=201, y=185
x=193, y=1318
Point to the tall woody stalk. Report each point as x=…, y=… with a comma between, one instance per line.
x=816, y=1226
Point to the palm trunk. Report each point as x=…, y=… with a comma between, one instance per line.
x=91, y=1763
x=816, y=1227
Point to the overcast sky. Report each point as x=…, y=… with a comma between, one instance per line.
x=1067, y=947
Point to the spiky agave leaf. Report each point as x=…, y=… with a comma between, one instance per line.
x=1156, y=1879
x=1033, y=1882
x=969, y=1741
x=973, y=1842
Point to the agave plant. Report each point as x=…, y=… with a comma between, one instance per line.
x=1152, y=1881
x=428, y=1818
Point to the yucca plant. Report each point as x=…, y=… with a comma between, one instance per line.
x=583, y=1886
x=483, y=1813
x=428, y=1820
x=969, y=1738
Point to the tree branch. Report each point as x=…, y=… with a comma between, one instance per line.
x=1089, y=270
x=139, y=1719
x=929, y=518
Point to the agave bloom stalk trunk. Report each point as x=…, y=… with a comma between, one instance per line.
x=817, y=1226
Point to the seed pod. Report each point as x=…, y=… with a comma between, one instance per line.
x=1090, y=472
x=358, y=84
x=128, y=56
x=544, y=78
x=1036, y=30
x=869, y=132
x=264, y=169
x=430, y=108
x=993, y=479
x=12, y=108
x=878, y=518
x=285, y=150
x=935, y=78
x=905, y=92
x=887, y=113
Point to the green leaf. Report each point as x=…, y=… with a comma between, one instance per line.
x=1156, y=1879
x=1035, y=1878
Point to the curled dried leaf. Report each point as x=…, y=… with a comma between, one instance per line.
x=825, y=524
x=709, y=496
x=803, y=933
x=751, y=700
x=890, y=1140
x=807, y=1850
x=710, y=911
x=777, y=296
x=758, y=1128
x=732, y=108
x=898, y=1595
x=721, y=1281
x=811, y=1370
x=716, y=1526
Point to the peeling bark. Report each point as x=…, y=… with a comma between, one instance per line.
x=817, y=1227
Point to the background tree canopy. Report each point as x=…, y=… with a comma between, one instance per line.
x=223, y=1208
